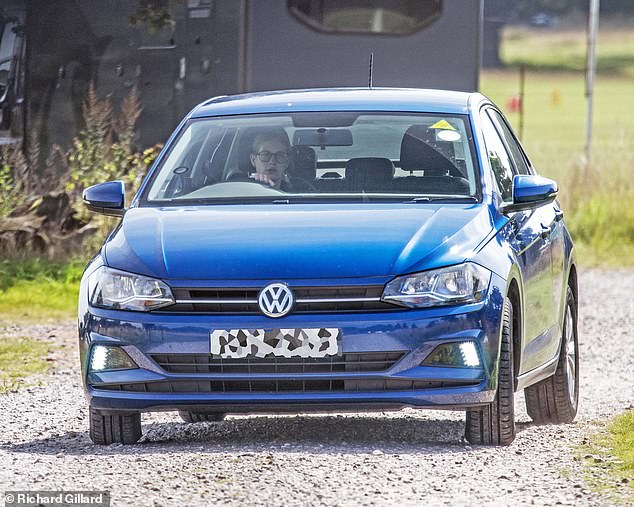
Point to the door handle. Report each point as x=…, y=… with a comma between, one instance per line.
x=546, y=230
x=559, y=215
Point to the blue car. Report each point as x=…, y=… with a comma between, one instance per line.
x=333, y=250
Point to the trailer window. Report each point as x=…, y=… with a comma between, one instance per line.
x=390, y=17
x=7, y=43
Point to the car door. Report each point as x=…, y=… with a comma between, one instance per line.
x=531, y=241
x=550, y=217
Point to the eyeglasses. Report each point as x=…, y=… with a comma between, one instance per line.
x=281, y=157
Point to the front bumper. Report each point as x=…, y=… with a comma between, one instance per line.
x=414, y=333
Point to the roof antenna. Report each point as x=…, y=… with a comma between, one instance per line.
x=371, y=70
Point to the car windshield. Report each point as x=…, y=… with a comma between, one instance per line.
x=318, y=156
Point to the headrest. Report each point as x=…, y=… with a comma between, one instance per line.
x=303, y=162
x=375, y=169
x=417, y=154
x=245, y=145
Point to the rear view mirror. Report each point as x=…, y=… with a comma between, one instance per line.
x=106, y=198
x=322, y=137
x=530, y=191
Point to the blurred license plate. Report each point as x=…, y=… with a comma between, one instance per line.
x=311, y=342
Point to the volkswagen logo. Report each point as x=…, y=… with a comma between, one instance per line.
x=276, y=300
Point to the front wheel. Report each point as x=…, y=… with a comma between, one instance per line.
x=495, y=423
x=105, y=429
x=555, y=399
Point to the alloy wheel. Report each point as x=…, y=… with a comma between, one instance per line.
x=571, y=356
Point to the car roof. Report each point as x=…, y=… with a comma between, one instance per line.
x=339, y=99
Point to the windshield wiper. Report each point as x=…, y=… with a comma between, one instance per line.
x=443, y=198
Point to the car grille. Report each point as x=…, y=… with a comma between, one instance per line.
x=205, y=363
x=346, y=364
x=255, y=385
x=222, y=300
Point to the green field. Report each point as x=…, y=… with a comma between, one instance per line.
x=596, y=200
x=557, y=50
x=35, y=290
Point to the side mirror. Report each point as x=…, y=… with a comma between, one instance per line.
x=106, y=198
x=531, y=191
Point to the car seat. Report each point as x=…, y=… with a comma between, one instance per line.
x=303, y=163
x=369, y=174
x=242, y=166
x=438, y=174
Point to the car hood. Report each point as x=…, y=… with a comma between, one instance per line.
x=290, y=241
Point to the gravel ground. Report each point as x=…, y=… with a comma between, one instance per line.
x=407, y=458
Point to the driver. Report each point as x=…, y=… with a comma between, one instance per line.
x=270, y=158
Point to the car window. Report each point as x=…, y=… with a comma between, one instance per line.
x=499, y=158
x=320, y=155
x=518, y=155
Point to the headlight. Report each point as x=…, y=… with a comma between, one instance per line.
x=118, y=290
x=465, y=283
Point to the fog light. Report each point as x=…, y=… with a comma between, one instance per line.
x=456, y=354
x=104, y=358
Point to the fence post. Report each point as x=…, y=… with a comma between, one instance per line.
x=593, y=26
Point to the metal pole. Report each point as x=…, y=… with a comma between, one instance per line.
x=522, y=84
x=593, y=26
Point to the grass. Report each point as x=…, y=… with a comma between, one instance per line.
x=622, y=444
x=555, y=120
x=35, y=290
x=596, y=200
x=19, y=358
x=609, y=459
x=557, y=50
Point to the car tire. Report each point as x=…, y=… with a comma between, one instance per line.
x=494, y=424
x=106, y=429
x=194, y=417
x=555, y=399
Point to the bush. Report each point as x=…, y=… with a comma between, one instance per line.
x=104, y=149
x=11, y=193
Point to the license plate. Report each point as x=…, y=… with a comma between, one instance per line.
x=312, y=342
